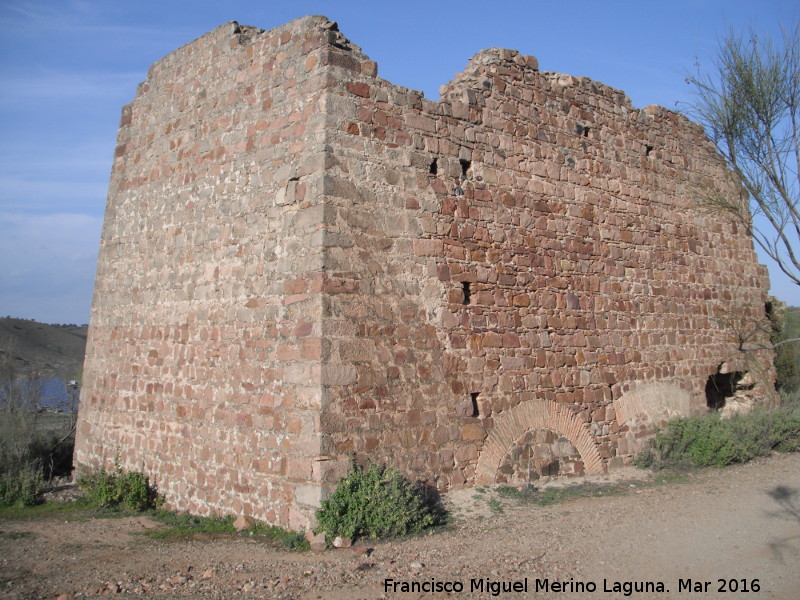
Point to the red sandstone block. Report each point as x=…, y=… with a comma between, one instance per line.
x=420, y=122
x=428, y=247
x=466, y=453
x=345, y=446
x=293, y=298
x=296, y=286
x=484, y=298
x=413, y=417
x=340, y=286
x=303, y=329
x=311, y=349
x=370, y=68
x=358, y=88
x=473, y=432
x=491, y=339
x=312, y=60
x=521, y=300
x=338, y=58
x=286, y=352
x=402, y=138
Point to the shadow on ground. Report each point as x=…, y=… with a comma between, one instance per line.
x=788, y=500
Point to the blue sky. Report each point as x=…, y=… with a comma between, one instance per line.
x=68, y=66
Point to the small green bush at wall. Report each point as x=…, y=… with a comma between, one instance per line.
x=119, y=488
x=709, y=440
x=376, y=502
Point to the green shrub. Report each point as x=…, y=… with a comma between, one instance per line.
x=179, y=526
x=291, y=540
x=21, y=484
x=709, y=440
x=119, y=488
x=183, y=525
x=24, y=468
x=376, y=502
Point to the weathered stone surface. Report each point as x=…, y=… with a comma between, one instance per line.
x=472, y=432
x=342, y=542
x=318, y=543
x=300, y=259
x=243, y=523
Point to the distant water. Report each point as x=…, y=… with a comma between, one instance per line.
x=55, y=394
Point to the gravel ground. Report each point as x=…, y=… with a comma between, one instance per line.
x=737, y=525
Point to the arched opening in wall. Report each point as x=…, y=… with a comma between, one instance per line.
x=474, y=398
x=434, y=168
x=509, y=433
x=643, y=408
x=465, y=165
x=720, y=387
x=539, y=453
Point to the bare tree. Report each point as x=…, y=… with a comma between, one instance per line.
x=748, y=105
x=35, y=444
x=19, y=409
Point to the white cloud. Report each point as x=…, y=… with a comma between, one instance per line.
x=75, y=17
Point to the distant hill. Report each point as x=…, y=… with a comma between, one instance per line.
x=49, y=351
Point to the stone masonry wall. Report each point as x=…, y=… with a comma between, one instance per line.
x=205, y=344
x=568, y=218
x=302, y=262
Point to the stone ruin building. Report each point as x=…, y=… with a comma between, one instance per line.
x=302, y=262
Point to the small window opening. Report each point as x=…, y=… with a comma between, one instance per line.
x=768, y=310
x=648, y=150
x=582, y=130
x=586, y=131
x=474, y=397
x=466, y=290
x=434, y=169
x=465, y=165
x=720, y=387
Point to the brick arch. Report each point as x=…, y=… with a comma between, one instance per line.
x=512, y=424
x=654, y=401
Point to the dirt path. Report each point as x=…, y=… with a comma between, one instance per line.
x=740, y=524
